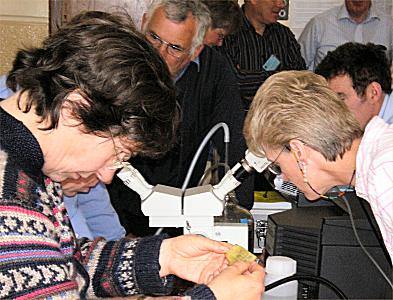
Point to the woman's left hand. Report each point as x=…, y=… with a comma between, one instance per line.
x=71, y=187
x=192, y=257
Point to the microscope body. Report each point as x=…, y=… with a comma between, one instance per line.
x=195, y=208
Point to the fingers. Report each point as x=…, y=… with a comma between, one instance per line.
x=240, y=267
x=246, y=282
x=257, y=272
x=73, y=186
x=252, y=269
x=212, y=269
x=211, y=245
x=69, y=193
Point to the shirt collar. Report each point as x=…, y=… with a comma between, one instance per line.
x=195, y=61
x=386, y=108
x=343, y=14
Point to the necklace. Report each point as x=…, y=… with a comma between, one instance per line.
x=348, y=186
x=340, y=194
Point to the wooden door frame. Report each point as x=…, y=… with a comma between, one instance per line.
x=56, y=15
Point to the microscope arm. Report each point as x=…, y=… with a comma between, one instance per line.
x=234, y=177
x=135, y=181
x=195, y=208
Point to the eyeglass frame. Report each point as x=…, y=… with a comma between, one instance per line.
x=156, y=40
x=273, y=167
x=118, y=162
x=221, y=36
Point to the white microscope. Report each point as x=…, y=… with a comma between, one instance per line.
x=194, y=208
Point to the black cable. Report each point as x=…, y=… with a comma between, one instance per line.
x=318, y=279
x=385, y=276
x=376, y=231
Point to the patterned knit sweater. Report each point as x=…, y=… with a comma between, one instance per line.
x=39, y=255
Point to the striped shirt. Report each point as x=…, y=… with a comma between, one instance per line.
x=248, y=51
x=334, y=27
x=374, y=175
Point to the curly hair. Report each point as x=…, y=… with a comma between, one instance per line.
x=127, y=88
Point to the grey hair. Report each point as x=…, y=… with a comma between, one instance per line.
x=178, y=11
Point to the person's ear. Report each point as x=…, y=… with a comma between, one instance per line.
x=144, y=22
x=299, y=150
x=197, y=51
x=373, y=92
x=67, y=108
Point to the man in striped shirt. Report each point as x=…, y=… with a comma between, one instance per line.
x=261, y=47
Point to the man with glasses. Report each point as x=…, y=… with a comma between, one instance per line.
x=207, y=93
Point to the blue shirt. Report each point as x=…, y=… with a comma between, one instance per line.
x=91, y=214
x=181, y=73
x=386, y=112
x=5, y=92
x=334, y=27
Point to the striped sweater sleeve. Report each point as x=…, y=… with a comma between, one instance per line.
x=40, y=258
x=123, y=268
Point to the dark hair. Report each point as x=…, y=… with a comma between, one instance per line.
x=225, y=14
x=362, y=63
x=121, y=18
x=126, y=85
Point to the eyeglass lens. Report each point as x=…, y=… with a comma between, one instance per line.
x=173, y=50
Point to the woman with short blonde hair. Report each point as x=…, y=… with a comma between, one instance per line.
x=315, y=142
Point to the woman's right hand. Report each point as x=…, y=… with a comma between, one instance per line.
x=239, y=281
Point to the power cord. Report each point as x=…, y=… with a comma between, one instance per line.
x=317, y=279
x=361, y=244
x=202, y=145
x=377, y=232
x=209, y=170
x=213, y=130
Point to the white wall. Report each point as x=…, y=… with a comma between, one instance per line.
x=26, y=10
x=23, y=23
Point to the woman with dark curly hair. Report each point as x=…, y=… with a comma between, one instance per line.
x=93, y=95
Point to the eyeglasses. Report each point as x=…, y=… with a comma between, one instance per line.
x=220, y=36
x=171, y=49
x=121, y=160
x=120, y=163
x=275, y=168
